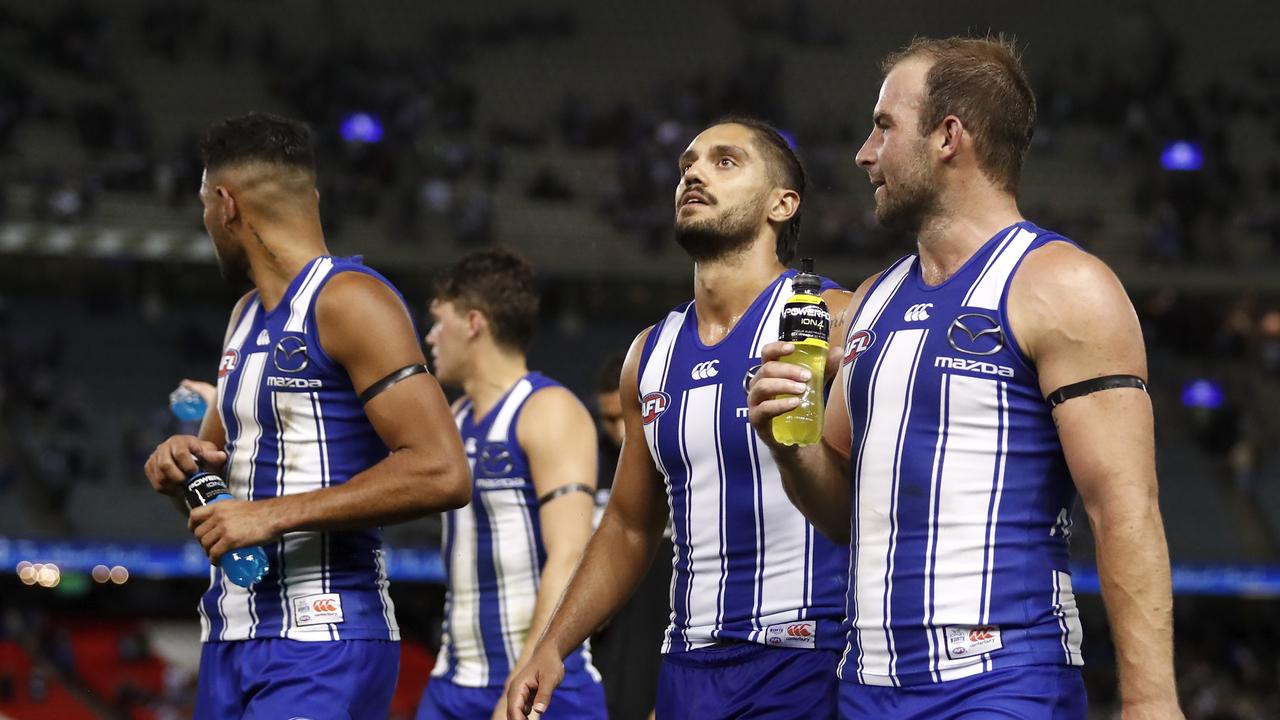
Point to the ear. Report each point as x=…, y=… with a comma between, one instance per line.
x=949, y=136
x=230, y=208
x=785, y=205
x=476, y=323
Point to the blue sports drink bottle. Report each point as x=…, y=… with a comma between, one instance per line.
x=243, y=566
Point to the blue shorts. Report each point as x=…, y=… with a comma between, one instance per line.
x=1029, y=692
x=579, y=696
x=278, y=679
x=747, y=680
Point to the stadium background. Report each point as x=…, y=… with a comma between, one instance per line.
x=553, y=126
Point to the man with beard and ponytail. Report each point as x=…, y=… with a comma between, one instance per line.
x=988, y=378
x=326, y=426
x=756, y=593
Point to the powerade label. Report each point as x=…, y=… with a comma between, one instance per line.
x=804, y=321
x=203, y=488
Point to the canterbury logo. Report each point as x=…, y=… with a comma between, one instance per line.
x=917, y=312
x=705, y=370
x=324, y=606
x=799, y=631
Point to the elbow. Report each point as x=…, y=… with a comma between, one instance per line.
x=457, y=486
x=438, y=485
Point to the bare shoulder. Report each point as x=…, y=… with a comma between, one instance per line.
x=1064, y=295
x=348, y=294
x=554, y=418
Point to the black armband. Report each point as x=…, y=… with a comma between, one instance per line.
x=1098, y=384
x=385, y=383
x=565, y=490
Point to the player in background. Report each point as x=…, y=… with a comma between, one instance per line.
x=326, y=426
x=988, y=378
x=756, y=614
x=531, y=446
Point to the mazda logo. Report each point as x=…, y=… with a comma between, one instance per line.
x=290, y=354
x=495, y=459
x=976, y=334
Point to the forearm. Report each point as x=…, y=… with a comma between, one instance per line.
x=1133, y=567
x=612, y=567
x=816, y=480
x=403, y=486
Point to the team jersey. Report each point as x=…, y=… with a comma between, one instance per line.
x=294, y=424
x=961, y=499
x=747, y=565
x=493, y=551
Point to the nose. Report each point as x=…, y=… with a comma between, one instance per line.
x=868, y=153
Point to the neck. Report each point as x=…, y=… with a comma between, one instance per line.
x=724, y=289
x=964, y=222
x=493, y=371
x=278, y=252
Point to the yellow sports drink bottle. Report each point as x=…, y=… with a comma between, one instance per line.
x=805, y=323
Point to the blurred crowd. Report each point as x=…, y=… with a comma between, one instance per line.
x=423, y=160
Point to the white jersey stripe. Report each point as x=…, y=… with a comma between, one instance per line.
x=724, y=504
x=884, y=291
x=498, y=546
x=767, y=330
x=966, y=494
x=502, y=421
x=893, y=497
x=704, y=502
x=300, y=305
x=653, y=376
x=989, y=288
x=757, y=492
x=932, y=525
x=688, y=499
x=1064, y=606
x=654, y=373
x=986, y=268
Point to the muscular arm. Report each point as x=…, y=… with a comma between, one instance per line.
x=559, y=438
x=365, y=328
x=615, y=560
x=1075, y=322
x=816, y=478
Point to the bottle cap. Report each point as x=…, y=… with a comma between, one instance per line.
x=806, y=281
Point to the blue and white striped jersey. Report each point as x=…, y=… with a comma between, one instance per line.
x=961, y=499
x=747, y=565
x=294, y=424
x=493, y=551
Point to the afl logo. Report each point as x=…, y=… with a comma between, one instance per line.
x=230, y=359
x=653, y=405
x=857, y=344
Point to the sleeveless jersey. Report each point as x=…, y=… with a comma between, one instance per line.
x=961, y=499
x=493, y=551
x=294, y=424
x=747, y=565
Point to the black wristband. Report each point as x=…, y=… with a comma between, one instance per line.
x=565, y=490
x=385, y=383
x=1085, y=387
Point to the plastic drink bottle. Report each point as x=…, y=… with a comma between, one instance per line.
x=243, y=566
x=805, y=323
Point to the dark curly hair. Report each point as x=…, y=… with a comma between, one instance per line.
x=499, y=283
